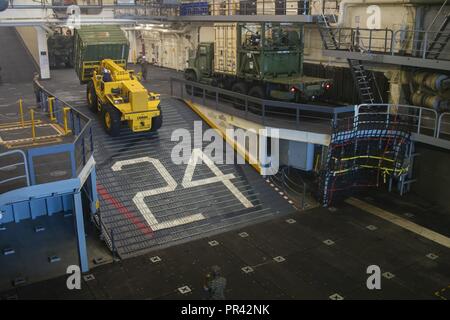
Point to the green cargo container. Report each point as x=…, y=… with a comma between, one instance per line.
x=95, y=43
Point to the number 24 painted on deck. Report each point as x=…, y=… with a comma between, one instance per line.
x=171, y=185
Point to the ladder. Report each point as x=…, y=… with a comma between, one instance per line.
x=363, y=78
x=440, y=40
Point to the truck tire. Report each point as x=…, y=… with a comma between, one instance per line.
x=156, y=123
x=91, y=97
x=239, y=87
x=111, y=120
x=256, y=92
x=191, y=76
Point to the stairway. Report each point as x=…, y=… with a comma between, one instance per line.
x=440, y=40
x=364, y=79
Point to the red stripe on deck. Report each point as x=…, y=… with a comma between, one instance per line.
x=124, y=210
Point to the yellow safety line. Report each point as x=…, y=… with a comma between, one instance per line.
x=365, y=157
x=28, y=139
x=17, y=124
x=228, y=140
x=26, y=127
x=385, y=169
x=401, y=222
x=37, y=143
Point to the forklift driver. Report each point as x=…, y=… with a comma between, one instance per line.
x=106, y=75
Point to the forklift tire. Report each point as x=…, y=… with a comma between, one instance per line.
x=111, y=120
x=239, y=87
x=156, y=123
x=91, y=97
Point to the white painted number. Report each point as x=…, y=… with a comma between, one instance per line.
x=171, y=185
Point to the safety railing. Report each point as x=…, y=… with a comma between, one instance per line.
x=412, y=43
x=422, y=121
x=266, y=112
x=292, y=185
x=422, y=44
x=367, y=40
x=106, y=235
x=74, y=123
x=145, y=8
x=47, y=160
x=443, y=129
x=259, y=7
x=155, y=8
x=13, y=170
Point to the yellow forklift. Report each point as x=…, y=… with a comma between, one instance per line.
x=119, y=97
x=101, y=54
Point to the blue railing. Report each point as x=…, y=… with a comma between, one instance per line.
x=54, y=161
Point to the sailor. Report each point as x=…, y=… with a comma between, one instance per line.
x=144, y=66
x=215, y=284
x=106, y=75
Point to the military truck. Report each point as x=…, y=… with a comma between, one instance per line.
x=263, y=60
x=60, y=48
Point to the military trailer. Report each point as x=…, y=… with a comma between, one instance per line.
x=263, y=60
x=95, y=43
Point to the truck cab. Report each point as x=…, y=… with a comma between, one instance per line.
x=201, y=65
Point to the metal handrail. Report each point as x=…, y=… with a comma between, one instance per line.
x=421, y=117
x=365, y=39
x=24, y=163
x=329, y=110
x=414, y=43
x=290, y=187
x=420, y=41
x=88, y=121
x=441, y=122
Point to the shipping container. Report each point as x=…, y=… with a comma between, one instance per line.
x=95, y=43
x=225, y=51
x=224, y=7
x=266, y=7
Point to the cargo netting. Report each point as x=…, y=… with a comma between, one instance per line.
x=365, y=151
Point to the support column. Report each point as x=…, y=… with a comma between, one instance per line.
x=43, y=53
x=263, y=151
x=81, y=236
x=133, y=54
x=93, y=188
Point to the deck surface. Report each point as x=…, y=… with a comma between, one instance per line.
x=234, y=237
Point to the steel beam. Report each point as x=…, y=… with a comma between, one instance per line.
x=390, y=59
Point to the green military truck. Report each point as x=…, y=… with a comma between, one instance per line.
x=263, y=60
x=95, y=43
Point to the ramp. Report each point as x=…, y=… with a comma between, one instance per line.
x=17, y=65
x=147, y=201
